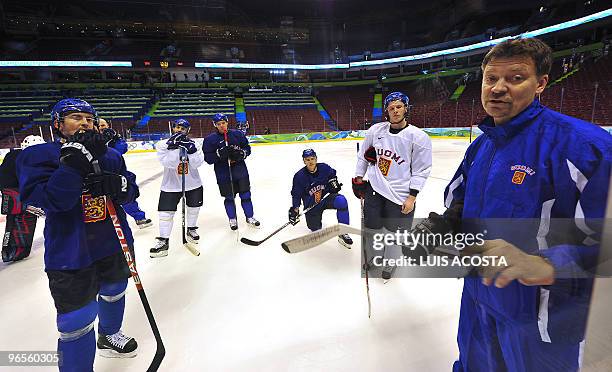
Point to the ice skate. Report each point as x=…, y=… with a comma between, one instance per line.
x=117, y=345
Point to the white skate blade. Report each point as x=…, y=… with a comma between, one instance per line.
x=110, y=353
x=145, y=225
x=158, y=254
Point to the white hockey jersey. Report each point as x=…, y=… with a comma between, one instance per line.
x=170, y=159
x=403, y=161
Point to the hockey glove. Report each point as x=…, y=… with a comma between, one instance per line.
x=236, y=154
x=223, y=152
x=81, y=149
x=186, y=144
x=370, y=155
x=359, y=187
x=110, y=135
x=294, y=216
x=174, y=139
x=426, y=236
x=111, y=184
x=333, y=185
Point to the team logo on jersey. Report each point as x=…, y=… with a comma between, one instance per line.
x=520, y=172
x=94, y=209
x=384, y=165
x=316, y=192
x=518, y=177
x=180, y=170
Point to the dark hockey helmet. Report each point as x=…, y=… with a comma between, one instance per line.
x=395, y=96
x=68, y=105
x=308, y=152
x=219, y=117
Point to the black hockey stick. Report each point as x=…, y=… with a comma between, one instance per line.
x=229, y=167
x=258, y=242
x=184, y=167
x=160, y=350
x=365, y=259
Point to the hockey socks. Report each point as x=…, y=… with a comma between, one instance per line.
x=342, y=213
x=230, y=208
x=247, y=204
x=77, y=342
x=111, y=305
x=165, y=223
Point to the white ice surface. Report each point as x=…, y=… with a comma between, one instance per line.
x=242, y=308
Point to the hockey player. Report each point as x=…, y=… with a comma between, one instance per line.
x=20, y=218
x=116, y=141
x=530, y=164
x=237, y=149
x=83, y=257
x=310, y=185
x=169, y=155
x=396, y=157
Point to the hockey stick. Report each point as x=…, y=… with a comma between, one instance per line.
x=160, y=350
x=184, y=165
x=318, y=237
x=365, y=260
x=258, y=242
x=229, y=167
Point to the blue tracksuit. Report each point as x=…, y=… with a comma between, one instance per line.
x=75, y=236
x=543, y=170
x=215, y=141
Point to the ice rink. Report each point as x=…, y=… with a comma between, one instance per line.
x=243, y=308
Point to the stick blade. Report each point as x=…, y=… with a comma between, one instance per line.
x=193, y=250
x=317, y=237
x=249, y=242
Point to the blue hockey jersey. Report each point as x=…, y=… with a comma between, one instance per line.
x=78, y=229
x=215, y=141
x=119, y=144
x=541, y=169
x=310, y=188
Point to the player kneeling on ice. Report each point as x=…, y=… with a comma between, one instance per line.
x=169, y=154
x=227, y=149
x=116, y=141
x=84, y=261
x=311, y=184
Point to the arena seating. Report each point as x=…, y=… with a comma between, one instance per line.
x=282, y=112
x=350, y=108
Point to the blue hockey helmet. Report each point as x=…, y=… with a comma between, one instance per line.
x=395, y=96
x=219, y=117
x=68, y=105
x=308, y=152
x=182, y=122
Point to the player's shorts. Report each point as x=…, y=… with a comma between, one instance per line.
x=73, y=289
x=380, y=212
x=240, y=186
x=314, y=216
x=168, y=201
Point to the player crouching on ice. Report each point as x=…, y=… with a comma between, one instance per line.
x=310, y=185
x=116, y=141
x=84, y=261
x=169, y=156
x=230, y=147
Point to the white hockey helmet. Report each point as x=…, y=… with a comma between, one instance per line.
x=31, y=141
